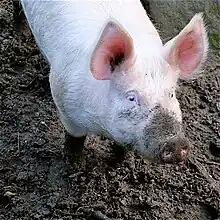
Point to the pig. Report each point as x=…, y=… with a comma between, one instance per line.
x=111, y=75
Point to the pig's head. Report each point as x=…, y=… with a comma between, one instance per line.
x=142, y=109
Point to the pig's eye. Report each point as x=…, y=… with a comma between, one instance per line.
x=172, y=94
x=133, y=96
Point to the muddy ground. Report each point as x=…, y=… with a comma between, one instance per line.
x=37, y=182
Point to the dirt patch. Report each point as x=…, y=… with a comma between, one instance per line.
x=36, y=182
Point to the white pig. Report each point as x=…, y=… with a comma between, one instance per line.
x=111, y=75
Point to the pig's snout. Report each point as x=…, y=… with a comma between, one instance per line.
x=175, y=150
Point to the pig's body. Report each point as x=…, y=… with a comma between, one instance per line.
x=68, y=41
x=68, y=33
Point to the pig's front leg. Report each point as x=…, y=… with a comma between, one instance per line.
x=73, y=147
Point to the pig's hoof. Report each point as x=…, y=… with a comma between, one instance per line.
x=175, y=151
x=73, y=148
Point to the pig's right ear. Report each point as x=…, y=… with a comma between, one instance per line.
x=114, y=50
x=187, y=52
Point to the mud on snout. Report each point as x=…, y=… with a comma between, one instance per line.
x=164, y=139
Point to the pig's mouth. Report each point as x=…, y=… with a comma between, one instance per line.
x=173, y=150
x=164, y=149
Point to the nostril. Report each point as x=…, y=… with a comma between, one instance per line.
x=175, y=150
x=183, y=144
x=166, y=156
x=168, y=151
x=183, y=154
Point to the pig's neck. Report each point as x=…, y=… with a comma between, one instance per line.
x=96, y=108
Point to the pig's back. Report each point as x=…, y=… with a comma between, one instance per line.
x=67, y=31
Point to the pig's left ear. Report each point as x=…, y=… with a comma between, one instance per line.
x=187, y=52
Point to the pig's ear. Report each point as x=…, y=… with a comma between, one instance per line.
x=113, y=50
x=187, y=52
